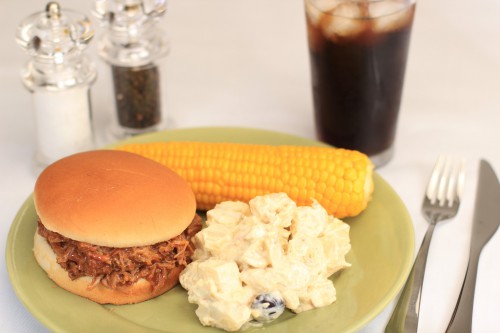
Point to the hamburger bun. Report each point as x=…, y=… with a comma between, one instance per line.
x=135, y=293
x=111, y=199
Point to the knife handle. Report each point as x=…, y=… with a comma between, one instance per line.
x=461, y=320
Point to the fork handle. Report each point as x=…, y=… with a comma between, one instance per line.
x=405, y=316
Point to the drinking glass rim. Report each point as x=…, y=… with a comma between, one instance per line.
x=314, y=3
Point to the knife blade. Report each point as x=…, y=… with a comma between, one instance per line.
x=485, y=224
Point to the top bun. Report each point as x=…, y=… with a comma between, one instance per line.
x=113, y=198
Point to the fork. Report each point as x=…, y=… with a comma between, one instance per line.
x=441, y=202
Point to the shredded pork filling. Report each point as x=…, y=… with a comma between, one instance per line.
x=116, y=268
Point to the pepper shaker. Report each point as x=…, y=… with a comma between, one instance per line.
x=133, y=46
x=59, y=76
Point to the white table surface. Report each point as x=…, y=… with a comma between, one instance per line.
x=245, y=63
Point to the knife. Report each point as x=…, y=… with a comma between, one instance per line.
x=485, y=224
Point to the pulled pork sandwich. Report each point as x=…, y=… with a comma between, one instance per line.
x=113, y=227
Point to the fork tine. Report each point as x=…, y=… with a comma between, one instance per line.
x=461, y=179
x=451, y=193
x=434, y=180
x=444, y=181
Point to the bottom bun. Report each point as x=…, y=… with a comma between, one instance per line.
x=138, y=292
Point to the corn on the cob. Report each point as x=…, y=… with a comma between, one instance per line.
x=340, y=180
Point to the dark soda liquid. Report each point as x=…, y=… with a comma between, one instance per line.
x=357, y=85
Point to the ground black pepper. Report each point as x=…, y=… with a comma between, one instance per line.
x=137, y=95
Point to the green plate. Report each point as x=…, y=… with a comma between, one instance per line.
x=382, y=253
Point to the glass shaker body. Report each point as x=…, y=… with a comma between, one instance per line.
x=134, y=48
x=59, y=76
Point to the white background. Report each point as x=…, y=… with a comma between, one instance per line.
x=245, y=63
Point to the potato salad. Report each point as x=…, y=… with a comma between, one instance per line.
x=253, y=260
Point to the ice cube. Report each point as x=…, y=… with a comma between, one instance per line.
x=324, y=6
x=313, y=14
x=346, y=20
x=315, y=9
x=352, y=10
x=387, y=7
x=390, y=15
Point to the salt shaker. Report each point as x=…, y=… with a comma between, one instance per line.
x=133, y=46
x=59, y=75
